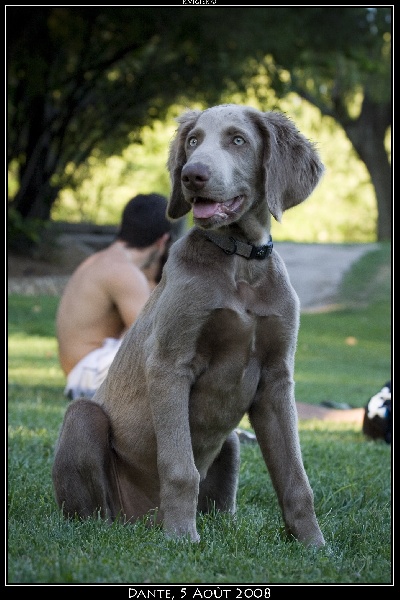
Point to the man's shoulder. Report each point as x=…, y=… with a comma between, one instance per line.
x=108, y=261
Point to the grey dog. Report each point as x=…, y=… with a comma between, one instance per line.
x=215, y=341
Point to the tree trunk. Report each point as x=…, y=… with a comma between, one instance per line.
x=367, y=135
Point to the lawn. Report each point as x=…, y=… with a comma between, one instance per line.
x=343, y=356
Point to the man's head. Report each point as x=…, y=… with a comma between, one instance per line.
x=144, y=221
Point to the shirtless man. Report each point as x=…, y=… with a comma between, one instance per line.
x=106, y=293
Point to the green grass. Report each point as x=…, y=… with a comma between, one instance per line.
x=343, y=356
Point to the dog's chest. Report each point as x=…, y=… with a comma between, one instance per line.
x=252, y=299
x=230, y=335
x=226, y=362
x=227, y=372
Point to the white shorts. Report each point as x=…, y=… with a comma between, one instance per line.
x=90, y=372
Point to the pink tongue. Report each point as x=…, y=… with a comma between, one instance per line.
x=204, y=210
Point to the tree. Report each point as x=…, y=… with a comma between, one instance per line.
x=86, y=79
x=341, y=63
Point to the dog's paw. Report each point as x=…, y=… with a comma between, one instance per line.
x=317, y=541
x=310, y=537
x=181, y=533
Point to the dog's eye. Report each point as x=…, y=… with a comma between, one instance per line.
x=238, y=140
x=192, y=141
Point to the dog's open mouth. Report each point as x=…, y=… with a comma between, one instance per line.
x=204, y=208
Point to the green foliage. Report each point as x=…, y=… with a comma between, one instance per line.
x=350, y=475
x=24, y=234
x=101, y=187
x=341, y=209
x=84, y=81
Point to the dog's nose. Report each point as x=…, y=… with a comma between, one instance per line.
x=195, y=176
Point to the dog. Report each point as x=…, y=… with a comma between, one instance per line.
x=377, y=420
x=215, y=341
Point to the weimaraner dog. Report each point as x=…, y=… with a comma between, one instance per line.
x=216, y=340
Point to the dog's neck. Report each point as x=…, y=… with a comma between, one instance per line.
x=231, y=245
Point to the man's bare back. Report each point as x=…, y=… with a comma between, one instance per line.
x=107, y=291
x=102, y=299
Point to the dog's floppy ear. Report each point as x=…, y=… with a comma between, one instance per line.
x=177, y=205
x=292, y=166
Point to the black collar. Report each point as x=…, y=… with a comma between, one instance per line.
x=232, y=246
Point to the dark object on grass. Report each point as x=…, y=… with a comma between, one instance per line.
x=377, y=423
x=337, y=405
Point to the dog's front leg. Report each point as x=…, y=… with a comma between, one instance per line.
x=179, y=478
x=274, y=419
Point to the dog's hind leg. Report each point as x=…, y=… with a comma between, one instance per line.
x=218, y=489
x=82, y=469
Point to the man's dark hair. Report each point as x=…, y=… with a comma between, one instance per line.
x=144, y=220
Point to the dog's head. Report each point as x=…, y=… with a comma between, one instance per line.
x=253, y=155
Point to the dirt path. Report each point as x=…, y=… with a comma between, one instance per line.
x=316, y=270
